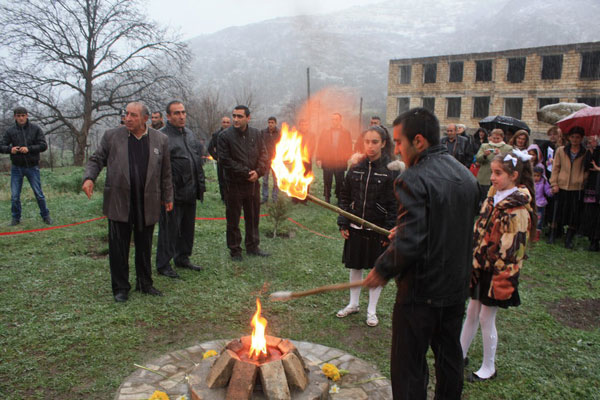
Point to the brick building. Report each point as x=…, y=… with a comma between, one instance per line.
x=464, y=88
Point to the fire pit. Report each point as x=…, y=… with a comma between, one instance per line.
x=268, y=364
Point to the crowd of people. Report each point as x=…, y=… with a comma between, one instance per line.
x=460, y=211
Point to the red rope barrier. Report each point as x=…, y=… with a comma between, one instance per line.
x=50, y=227
x=197, y=218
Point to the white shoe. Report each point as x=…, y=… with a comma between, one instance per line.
x=372, y=319
x=344, y=312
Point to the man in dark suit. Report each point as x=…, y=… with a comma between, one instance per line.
x=138, y=181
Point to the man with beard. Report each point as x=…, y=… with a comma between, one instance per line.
x=430, y=255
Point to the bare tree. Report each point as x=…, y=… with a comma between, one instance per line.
x=83, y=60
x=205, y=112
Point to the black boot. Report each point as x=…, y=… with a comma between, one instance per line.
x=551, y=235
x=594, y=245
x=569, y=238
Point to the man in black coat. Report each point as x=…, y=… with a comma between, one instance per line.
x=430, y=255
x=271, y=135
x=243, y=156
x=24, y=142
x=458, y=146
x=176, y=228
x=212, y=150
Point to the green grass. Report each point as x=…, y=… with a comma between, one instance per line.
x=63, y=336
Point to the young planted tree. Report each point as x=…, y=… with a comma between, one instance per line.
x=80, y=61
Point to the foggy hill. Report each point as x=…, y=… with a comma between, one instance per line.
x=352, y=48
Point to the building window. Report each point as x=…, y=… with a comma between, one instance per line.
x=429, y=104
x=404, y=74
x=403, y=104
x=552, y=66
x=590, y=101
x=483, y=70
x=590, y=65
x=481, y=107
x=429, y=73
x=513, y=107
x=516, y=69
x=544, y=101
x=453, y=109
x=456, y=71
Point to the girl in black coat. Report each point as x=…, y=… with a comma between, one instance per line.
x=368, y=192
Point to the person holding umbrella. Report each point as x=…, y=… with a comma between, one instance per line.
x=568, y=177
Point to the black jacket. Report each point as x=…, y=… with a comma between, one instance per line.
x=186, y=164
x=29, y=135
x=241, y=152
x=431, y=255
x=460, y=149
x=368, y=193
x=212, y=144
x=271, y=140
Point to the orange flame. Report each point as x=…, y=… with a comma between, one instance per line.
x=288, y=164
x=259, y=343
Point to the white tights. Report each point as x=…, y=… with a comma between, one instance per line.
x=356, y=275
x=477, y=314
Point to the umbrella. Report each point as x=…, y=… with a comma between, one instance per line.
x=552, y=113
x=503, y=122
x=587, y=118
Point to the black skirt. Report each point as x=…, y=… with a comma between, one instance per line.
x=480, y=292
x=570, y=204
x=362, y=248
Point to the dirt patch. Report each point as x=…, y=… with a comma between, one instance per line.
x=577, y=313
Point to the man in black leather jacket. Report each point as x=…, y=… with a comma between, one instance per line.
x=24, y=142
x=176, y=228
x=212, y=150
x=243, y=156
x=430, y=255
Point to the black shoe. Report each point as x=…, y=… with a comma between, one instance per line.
x=258, y=253
x=189, y=265
x=168, y=272
x=15, y=222
x=474, y=378
x=121, y=297
x=48, y=220
x=594, y=246
x=236, y=257
x=152, y=291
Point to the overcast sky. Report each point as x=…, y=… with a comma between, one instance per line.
x=195, y=17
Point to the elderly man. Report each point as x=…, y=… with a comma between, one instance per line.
x=138, y=181
x=458, y=146
x=176, y=228
x=24, y=142
x=430, y=256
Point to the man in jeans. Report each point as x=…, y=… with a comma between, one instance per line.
x=24, y=142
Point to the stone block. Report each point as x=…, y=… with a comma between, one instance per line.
x=222, y=369
x=274, y=381
x=272, y=341
x=294, y=371
x=287, y=346
x=246, y=341
x=235, y=345
x=243, y=379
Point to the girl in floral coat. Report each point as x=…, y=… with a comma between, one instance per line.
x=507, y=220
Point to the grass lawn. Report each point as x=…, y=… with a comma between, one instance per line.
x=62, y=335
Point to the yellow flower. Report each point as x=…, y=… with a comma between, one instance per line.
x=158, y=395
x=331, y=371
x=210, y=353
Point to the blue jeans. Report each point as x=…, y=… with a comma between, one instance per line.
x=16, y=184
x=265, y=186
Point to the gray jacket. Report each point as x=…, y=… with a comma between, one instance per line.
x=113, y=153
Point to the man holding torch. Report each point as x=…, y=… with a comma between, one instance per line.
x=430, y=256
